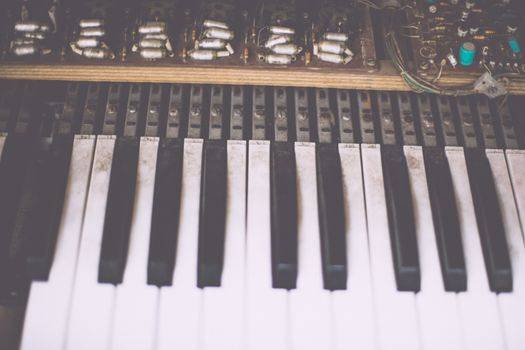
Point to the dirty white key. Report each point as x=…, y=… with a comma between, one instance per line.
x=396, y=311
x=353, y=309
x=478, y=307
x=134, y=323
x=223, y=306
x=180, y=305
x=310, y=316
x=89, y=325
x=516, y=165
x=2, y=142
x=266, y=325
x=437, y=309
x=47, y=310
x=512, y=305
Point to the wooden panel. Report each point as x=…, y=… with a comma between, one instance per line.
x=385, y=79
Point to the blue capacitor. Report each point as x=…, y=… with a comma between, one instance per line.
x=467, y=51
x=514, y=45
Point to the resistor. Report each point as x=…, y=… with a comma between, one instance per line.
x=153, y=53
x=277, y=59
x=479, y=37
x=286, y=49
x=152, y=28
x=439, y=29
x=151, y=43
x=90, y=23
x=218, y=33
x=209, y=23
x=92, y=32
x=282, y=30
x=98, y=53
x=332, y=58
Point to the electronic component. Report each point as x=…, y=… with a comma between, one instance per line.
x=473, y=36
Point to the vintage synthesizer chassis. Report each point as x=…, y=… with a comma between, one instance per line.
x=368, y=69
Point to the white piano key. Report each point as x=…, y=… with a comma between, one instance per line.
x=512, y=305
x=134, y=323
x=266, y=325
x=516, y=165
x=310, y=304
x=396, y=311
x=180, y=305
x=481, y=325
x=223, y=306
x=437, y=309
x=47, y=310
x=353, y=309
x=2, y=142
x=89, y=325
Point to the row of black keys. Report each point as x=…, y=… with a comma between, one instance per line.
x=33, y=178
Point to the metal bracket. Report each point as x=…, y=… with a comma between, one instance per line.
x=507, y=125
x=485, y=119
x=237, y=113
x=366, y=119
x=446, y=117
x=344, y=112
x=109, y=126
x=153, y=111
x=466, y=122
x=325, y=116
x=280, y=115
x=259, y=113
x=173, y=128
x=386, y=118
x=133, y=110
x=408, y=128
x=64, y=125
x=89, y=114
x=215, y=128
x=302, y=115
x=428, y=127
x=195, y=111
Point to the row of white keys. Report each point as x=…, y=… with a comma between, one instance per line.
x=48, y=305
x=223, y=306
x=437, y=309
x=478, y=307
x=266, y=313
x=353, y=308
x=134, y=321
x=396, y=315
x=179, y=318
x=91, y=312
x=310, y=311
x=512, y=305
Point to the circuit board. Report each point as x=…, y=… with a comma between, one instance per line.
x=332, y=34
x=466, y=36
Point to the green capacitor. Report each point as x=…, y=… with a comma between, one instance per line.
x=467, y=51
x=514, y=45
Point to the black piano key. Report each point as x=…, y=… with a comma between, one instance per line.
x=283, y=196
x=401, y=219
x=165, y=214
x=46, y=215
x=446, y=220
x=119, y=210
x=331, y=216
x=212, y=214
x=14, y=282
x=490, y=222
x=13, y=167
